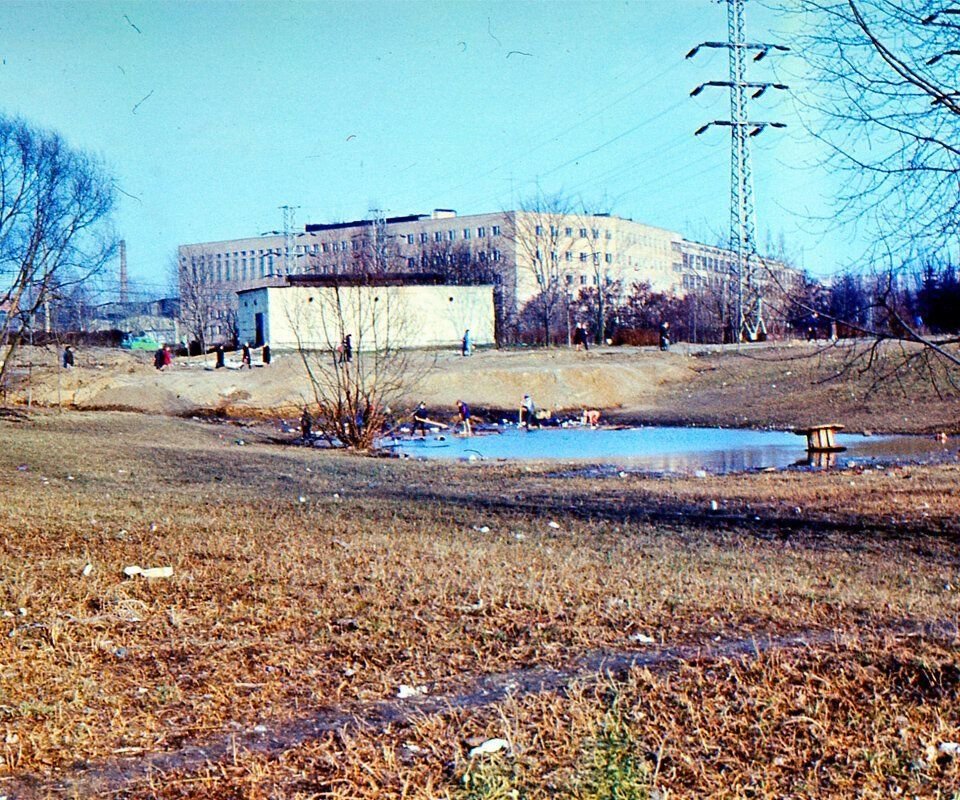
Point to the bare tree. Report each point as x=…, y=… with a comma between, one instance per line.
x=199, y=309
x=543, y=233
x=54, y=202
x=355, y=381
x=885, y=100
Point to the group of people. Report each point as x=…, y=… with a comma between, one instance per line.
x=526, y=418
x=246, y=356
x=163, y=357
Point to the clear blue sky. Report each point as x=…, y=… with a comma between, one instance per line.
x=213, y=114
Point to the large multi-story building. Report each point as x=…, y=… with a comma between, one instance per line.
x=522, y=252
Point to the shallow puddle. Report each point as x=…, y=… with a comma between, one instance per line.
x=664, y=449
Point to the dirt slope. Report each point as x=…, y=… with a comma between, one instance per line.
x=778, y=386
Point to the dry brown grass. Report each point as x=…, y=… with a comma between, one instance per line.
x=839, y=722
x=380, y=576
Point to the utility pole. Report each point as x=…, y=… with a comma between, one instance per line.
x=750, y=279
x=289, y=257
x=124, y=284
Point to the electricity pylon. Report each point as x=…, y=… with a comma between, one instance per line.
x=289, y=254
x=750, y=278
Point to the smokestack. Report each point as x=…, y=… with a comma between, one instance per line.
x=123, y=271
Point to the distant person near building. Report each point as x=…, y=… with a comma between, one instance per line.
x=158, y=359
x=245, y=358
x=345, y=350
x=528, y=413
x=221, y=356
x=664, y=335
x=464, y=411
x=467, y=345
x=265, y=354
x=167, y=355
x=68, y=357
x=580, y=337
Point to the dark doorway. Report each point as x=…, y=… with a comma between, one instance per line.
x=258, y=325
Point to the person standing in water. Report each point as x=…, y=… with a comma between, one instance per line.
x=464, y=411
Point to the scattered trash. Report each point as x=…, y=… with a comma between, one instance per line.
x=87, y=570
x=475, y=607
x=622, y=474
x=950, y=748
x=23, y=611
x=69, y=477
x=642, y=638
x=240, y=442
x=158, y=572
x=336, y=495
x=149, y=572
x=410, y=691
x=554, y=525
x=22, y=468
x=121, y=652
x=700, y=473
x=714, y=505
x=489, y=747
x=260, y=729
x=481, y=528
x=519, y=536
x=302, y=499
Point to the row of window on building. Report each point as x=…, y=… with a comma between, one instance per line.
x=706, y=263
x=643, y=240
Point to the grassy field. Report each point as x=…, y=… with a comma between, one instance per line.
x=308, y=583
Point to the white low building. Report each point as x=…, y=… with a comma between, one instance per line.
x=316, y=312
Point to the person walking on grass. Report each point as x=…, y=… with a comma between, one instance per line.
x=580, y=337
x=68, y=357
x=464, y=411
x=664, y=335
x=221, y=357
x=245, y=359
x=466, y=347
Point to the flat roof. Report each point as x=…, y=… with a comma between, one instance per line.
x=370, y=279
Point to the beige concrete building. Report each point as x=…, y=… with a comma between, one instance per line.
x=316, y=312
x=520, y=252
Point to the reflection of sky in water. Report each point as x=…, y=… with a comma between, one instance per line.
x=662, y=449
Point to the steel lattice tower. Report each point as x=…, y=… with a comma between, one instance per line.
x=742, y=211
x=749, y=268
x=289, y=256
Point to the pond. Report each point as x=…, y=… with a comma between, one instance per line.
x=664, y=449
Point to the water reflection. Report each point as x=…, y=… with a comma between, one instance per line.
x=668, y=449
